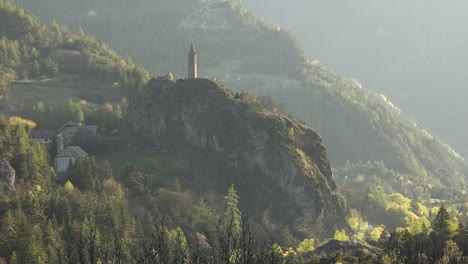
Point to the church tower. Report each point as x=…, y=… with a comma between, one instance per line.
x=192, y=63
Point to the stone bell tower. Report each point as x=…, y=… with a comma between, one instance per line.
x=192, y=63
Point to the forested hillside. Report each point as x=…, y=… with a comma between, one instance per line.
x=52, y=75
x=170, y=200
x=138, y=217
x=33, y=50
x=412, y=51
x=385, y=149
x=94, y=219
x=356, y=124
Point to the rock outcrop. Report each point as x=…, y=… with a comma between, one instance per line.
x=291, y=173
x=7, y=174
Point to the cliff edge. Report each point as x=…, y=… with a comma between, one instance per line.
x=288, y=169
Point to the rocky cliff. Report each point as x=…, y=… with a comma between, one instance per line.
x=290, y=173
x=7, y=174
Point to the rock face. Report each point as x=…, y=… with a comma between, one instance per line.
x=291, y=173
x=7, y=174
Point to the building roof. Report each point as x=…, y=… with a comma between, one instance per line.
x=73, y=151
x=69, y=124
x=88, y=129
x=192, y=48
x=72, y=127
x=43, y=134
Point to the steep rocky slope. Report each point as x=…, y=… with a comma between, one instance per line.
x=292, y=172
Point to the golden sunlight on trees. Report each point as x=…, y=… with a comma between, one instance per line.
x=341, y=235
x=19, y=121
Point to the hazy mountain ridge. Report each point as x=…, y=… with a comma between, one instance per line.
x=385, y=132
x=412, y=51
x=168, y=51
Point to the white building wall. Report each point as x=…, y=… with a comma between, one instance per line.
x=61, y=163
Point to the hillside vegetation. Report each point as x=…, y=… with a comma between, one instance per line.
x=412, y=51
x=51, y=75
x=357, y=125
x=30, y=50
x=170, y=198
x=178, y=182
x=157, y=33
x=278, y=164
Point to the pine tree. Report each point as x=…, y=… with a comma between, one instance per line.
x=8, y=237
x=105, y=170
x=14, y=258
x=35, y=70
x=49, y=68
x=232, y=215
x=179, y=246
x=6, y=144
x=21, y=159
x=57, y=30
x=441, y=220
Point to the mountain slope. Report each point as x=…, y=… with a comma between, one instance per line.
x=412, y=51
x=356, y=124
x=291, y=174
x=31, y=50
x=241, y=143
x=217, y=27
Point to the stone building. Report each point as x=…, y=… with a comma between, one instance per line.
x=71, y=130
x=45, y=137
x=67, y=157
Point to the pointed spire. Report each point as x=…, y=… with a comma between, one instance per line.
x=192, y=48
x=192, y=63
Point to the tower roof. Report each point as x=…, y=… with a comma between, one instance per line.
x=192, y=48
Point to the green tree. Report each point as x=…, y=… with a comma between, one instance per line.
x=179, y=246
x=40, y=107
x=8, y=237
x=75, y=112
x=6, y=139
x=14, y=258
x=306, y=245
x=170, y=76
x=83, y=174
x=35, y=70
x=105, y=170
x=49, y=68
x=441, y=221
x=232, y=215
x=81, y=33
x=341, y=235
x=57, y=30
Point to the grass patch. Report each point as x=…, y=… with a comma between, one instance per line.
x=59, y=91
x=164, y=166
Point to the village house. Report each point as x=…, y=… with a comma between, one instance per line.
x=70, y=130
x=45, y=137
x=67, y=157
